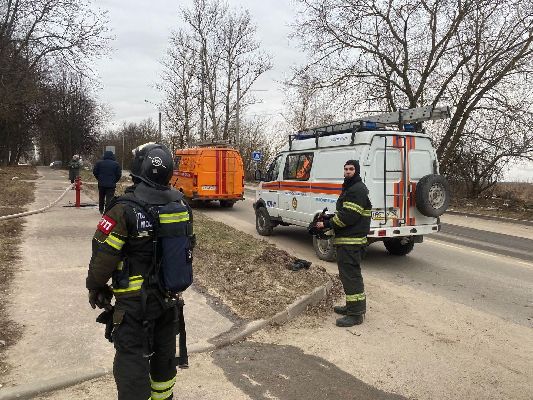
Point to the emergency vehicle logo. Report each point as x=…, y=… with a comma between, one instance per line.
x=294, y=203
x=156, y=161
x=106, y=225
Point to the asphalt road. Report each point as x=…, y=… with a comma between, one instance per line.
x=492, y=272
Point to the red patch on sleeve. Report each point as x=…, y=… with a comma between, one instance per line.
x=106, y=224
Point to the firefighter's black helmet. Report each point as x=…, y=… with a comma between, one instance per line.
x=152, y=163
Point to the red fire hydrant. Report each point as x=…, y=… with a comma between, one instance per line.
x=77, y=186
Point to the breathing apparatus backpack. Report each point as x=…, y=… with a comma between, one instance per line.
x=173, y=237
x=173, y=241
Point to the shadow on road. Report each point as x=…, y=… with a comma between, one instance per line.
x=266, y=371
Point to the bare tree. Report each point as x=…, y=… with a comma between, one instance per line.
x=397, y=54
x=206, y=59
x=70, y=117
x=180, y=85
x=305, y=105
x=125, y=139
x=256, y=137
x=38, y=38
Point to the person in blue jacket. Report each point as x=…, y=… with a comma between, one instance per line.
x=107, y=172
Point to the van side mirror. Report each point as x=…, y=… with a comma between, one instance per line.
x=258, y=175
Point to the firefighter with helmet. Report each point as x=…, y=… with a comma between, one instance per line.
x=143, y=319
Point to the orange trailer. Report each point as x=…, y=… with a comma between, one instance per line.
x=209, y=173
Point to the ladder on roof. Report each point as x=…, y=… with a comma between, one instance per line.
x=403, y=119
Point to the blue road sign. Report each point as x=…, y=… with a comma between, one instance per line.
x=256, y=156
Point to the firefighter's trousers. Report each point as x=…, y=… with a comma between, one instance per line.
x=140, y=375
x=349, y=263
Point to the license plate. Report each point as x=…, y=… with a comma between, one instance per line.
x=380, y=215
x=209, y=187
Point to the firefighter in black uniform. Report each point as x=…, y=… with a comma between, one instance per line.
x=351, y=224
x=144, y=321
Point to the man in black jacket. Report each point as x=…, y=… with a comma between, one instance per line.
x=351, y=224
x=108, y=172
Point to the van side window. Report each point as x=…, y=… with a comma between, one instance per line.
x=177, y=160
x=298, y=166
x=273, y=169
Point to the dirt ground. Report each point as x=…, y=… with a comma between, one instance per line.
x=15, y=195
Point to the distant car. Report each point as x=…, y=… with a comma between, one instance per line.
x=56, y=164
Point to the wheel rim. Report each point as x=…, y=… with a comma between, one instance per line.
x=323, y=245
x=437, y=196
x=261, y=222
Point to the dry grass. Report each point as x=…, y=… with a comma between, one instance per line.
x=15, y=195
x=249, y=275
x=508, y=199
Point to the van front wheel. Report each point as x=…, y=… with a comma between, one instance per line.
x=324, y=249
x=263, y=224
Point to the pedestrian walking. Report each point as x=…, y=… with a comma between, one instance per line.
x=144, y=244
x=74, y=168
x=351, y=224
x=107, y=172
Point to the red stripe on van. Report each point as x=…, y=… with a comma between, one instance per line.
x=217, y=170
x=224, y=171
x=305, y=187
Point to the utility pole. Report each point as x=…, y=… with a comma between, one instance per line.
x=238, y=109
x=160, y=138
x=202, y=99
x=123, y=148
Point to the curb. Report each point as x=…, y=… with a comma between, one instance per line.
x=491, y=217
x=31, y=390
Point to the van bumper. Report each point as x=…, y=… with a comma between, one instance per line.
x=399, y=231
x=231, y=197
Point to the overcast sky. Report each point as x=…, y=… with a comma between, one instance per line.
x=141, y=30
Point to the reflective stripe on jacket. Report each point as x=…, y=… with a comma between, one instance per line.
x=351, y=221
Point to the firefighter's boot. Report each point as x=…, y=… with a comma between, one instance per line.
x=342, y=310
x=350, y=320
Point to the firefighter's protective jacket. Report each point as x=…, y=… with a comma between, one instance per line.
x=351, y=221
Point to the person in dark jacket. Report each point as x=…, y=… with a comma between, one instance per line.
x=107, y=172
x=144, y=320
x=74, y=168
x=351, y=224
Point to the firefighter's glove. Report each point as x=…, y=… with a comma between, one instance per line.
x=100, y=297
x=106, y=318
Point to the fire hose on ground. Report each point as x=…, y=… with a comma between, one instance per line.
x=26, y=213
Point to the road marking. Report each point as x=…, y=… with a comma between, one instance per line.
x=484, y=253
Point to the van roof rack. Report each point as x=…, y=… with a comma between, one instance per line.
x=403, y=119
x=214, y=143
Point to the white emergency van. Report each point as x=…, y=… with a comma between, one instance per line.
x=398, y=165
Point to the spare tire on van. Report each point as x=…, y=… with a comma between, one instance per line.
x=432, y=195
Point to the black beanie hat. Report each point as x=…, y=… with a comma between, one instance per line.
x=355, y=163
